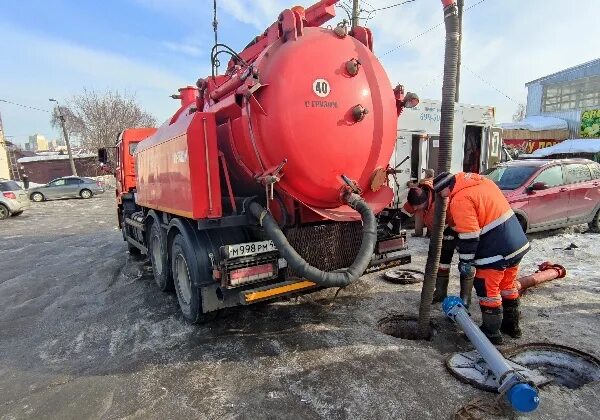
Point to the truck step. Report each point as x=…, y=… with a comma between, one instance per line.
x=275, y=290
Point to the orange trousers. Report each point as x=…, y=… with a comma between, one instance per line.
x=492, y=285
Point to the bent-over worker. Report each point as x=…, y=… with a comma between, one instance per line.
x=491, y=239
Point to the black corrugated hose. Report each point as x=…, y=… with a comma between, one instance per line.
x=338, y=278
x=445, y=153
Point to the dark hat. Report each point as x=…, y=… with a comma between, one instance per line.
x=417, y=196
x=443, y=180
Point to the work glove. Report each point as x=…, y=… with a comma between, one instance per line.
x=465, y=268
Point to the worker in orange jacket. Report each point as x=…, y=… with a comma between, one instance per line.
x=490, y=239
x=421, y=199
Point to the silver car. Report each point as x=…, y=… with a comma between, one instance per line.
x=67, y=187
x=13, y=200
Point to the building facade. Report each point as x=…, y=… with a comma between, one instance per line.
x=572, y=95
x=38, y=143
x=44, y=168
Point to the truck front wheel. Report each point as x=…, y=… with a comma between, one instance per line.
x=157, y=248
x=183, y=266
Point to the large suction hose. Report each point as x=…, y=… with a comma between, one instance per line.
x=443, y=164
x=339, y=278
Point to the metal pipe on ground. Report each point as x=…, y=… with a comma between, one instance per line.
x=546, y=272
x=445, y=152
x=519, y=393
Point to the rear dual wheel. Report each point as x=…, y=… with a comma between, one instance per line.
x=185, y=277
x=159, y=257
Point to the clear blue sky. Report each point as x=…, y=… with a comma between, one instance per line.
x=152, y=47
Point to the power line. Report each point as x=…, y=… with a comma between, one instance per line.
x=24, y=106
x=389, y=7
x=427, y=31
x=488, y=83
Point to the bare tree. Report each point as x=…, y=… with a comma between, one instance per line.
x=97, y=118
x=519, y=114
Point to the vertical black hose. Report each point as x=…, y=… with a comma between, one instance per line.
x=444, y=156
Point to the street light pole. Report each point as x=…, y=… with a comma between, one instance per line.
x=61, y=117
x=355, y=13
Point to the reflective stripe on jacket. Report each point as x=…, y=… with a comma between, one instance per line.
x=489, y=234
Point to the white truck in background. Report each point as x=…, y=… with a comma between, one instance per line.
x=477, y=143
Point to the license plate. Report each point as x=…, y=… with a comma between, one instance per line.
x=249, y=248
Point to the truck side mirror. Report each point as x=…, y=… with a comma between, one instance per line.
x=102, y=155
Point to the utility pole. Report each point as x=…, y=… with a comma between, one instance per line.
x=460, y=4
x=355, y=13
x=61, y=117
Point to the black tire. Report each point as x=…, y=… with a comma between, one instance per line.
x=38, y=197
x=594, y=225
x=157, y=251
x=4, y=213
x=185, y=272
x=85, y=193
x=523, y=223
x=17, y=213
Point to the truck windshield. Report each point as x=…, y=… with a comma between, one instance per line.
x=510, y=177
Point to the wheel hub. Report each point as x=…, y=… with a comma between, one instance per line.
x=182, y=276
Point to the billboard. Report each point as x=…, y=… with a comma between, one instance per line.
x=590, y=124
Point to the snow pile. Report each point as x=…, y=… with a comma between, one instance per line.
x=537, y=123
x=570, y=146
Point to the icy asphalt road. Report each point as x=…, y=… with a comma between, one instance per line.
x=85, y=334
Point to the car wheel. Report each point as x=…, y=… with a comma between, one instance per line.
x=37, y=197
x=185, y=277
x=522, y=222
x=17, y=213
x=157, y=250
x=594, y=225
x=3, y=212
x=85, y=194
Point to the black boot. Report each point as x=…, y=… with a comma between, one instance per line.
x=510, y=320
x=441, y=286
x=492, y=319
x=466, y=286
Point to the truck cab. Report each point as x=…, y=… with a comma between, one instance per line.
x=123, y=162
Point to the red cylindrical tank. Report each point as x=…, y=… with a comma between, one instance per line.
x=308, y=100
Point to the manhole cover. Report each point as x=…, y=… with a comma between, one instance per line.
x=403, y=326
x=403, y=276
x=567, y=366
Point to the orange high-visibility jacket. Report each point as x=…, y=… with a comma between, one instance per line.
x=489, y=234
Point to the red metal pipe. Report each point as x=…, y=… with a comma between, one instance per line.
x=546, y=272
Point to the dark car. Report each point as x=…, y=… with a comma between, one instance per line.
x=551, y=193
x=67, y=187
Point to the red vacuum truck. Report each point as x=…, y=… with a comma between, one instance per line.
x=272, y=178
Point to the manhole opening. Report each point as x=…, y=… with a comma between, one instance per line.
x=566, y=366
x=403, y=326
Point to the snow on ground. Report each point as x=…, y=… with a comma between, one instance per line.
x=84, y=333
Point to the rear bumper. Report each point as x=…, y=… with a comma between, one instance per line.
x=15, y=205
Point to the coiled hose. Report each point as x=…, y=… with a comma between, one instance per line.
x=338, y=278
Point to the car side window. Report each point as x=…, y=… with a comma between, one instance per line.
x=57, y=183
x=595, y=170
x=73, y=181
x=552, y=176
x=577, y=172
